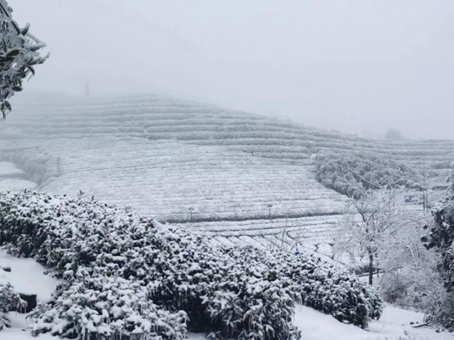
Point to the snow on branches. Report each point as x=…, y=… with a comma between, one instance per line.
x=128, y=275
x=9, y=301
x=441, y=239
x=108, y=307
x=19, y=53
x=353, y=173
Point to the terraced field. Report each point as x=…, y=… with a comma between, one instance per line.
x=213, y=170
x=13, y=178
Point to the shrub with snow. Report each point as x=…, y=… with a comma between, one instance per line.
x=319, y=285
x=352, y=173
x=179, y=271
x=102, y=307
x=441, y=238
x=108, y=254
x=19, y=54
x=9, y=300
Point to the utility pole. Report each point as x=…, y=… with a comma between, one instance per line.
x=191, y=210
x=424, y=199
x=424, y=184
x=269, y=210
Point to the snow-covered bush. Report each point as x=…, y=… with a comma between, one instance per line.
x=264, y=299
x=411, y=278
x=331, y=291
x=101, y=307
x=319, y=285
x=352, y=173
x=9, y=300
x=242, y=293
x=441, y=239
x=179, y=270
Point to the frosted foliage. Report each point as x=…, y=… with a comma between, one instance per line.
x=9, y=300
x=353, y=173
x=19, y=53
x=242, y=293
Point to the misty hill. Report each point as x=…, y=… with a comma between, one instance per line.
x=184, y=161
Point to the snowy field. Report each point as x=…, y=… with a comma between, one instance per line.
x=229, y=191
x=11, y=178
x=395, y=324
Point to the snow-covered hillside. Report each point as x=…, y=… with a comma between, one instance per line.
x=231, y=174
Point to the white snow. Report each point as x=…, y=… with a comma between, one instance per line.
x=13, y=184
x=393, y=325
x=17, y=332
x=27, y=276
x=9, y=180
x=7, y=168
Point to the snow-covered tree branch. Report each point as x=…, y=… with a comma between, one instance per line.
x=369, y=223
x=19, y=53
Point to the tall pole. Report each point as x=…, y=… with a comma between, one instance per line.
x=191, y=211
x=424, y=193
x=269, y=210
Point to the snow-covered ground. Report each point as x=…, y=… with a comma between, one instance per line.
x=7, y=168
x=10, y=178
x=18, y=330
x=13, y=184
x=395, y=324
x=27, y=276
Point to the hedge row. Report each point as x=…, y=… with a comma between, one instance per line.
x=131, y=277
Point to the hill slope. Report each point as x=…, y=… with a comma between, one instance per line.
x=214, y=170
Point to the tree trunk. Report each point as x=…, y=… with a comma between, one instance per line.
x=371, y=268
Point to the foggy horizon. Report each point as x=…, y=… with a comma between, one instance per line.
x=360, y=68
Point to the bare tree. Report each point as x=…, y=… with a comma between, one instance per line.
x=368, y=223
x=411, y=276
x=19, y=53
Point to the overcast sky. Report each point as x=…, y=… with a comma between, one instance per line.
x=357, y=66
